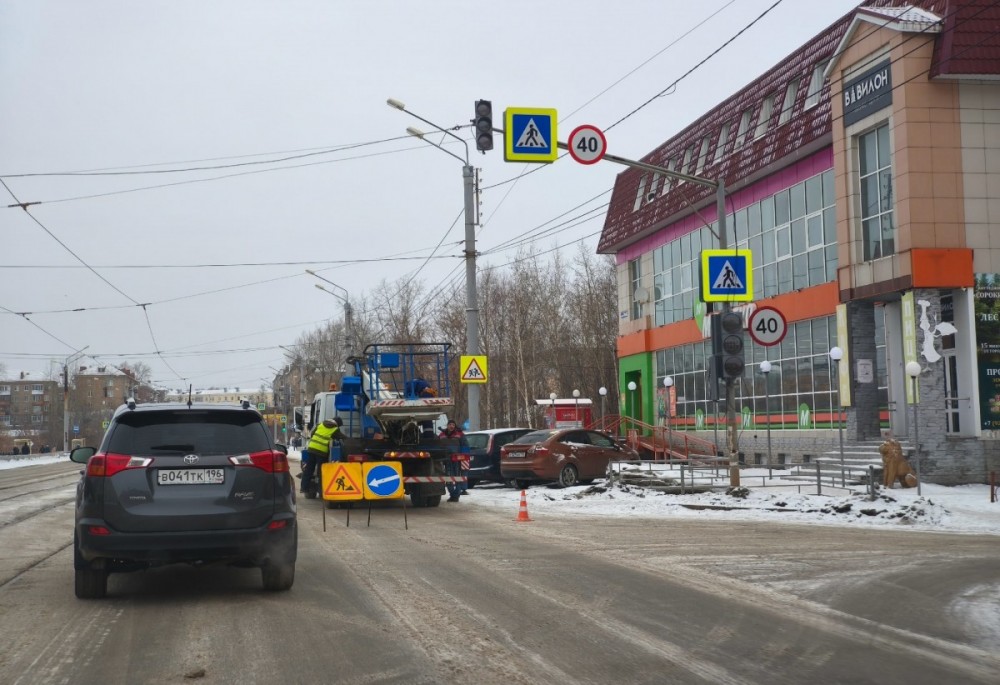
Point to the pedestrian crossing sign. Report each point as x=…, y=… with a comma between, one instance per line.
x=530, y=135
x=726, y=276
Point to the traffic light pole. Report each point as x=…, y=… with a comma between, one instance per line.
x=732, y=433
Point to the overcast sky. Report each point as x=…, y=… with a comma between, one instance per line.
x=218, y=256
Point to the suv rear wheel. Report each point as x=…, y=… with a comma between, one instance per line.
x=278, y=575
x=89, y=582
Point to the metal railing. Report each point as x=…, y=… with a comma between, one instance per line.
x=665, y=444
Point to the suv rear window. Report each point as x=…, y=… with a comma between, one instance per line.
x=187, y=431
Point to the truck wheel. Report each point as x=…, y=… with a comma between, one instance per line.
x=472, y=483
x=418, y=501
x=433, y=500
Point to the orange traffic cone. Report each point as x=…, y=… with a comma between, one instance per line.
x=522, y=512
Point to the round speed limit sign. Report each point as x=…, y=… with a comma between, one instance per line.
x=587, y=144
x=767, y=326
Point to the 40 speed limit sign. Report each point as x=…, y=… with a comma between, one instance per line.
x=587, y=144
x=767, y=326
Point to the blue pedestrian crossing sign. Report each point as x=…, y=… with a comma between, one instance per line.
x=530, y=135
x=383, y=480
x=726, y=276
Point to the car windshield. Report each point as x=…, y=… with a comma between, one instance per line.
x=162, y=433
x=534, y=436
x=477, y=441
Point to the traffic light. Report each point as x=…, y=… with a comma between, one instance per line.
x=727, y=344
x=483, y=125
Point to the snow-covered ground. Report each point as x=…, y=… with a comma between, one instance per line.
x=965, y=509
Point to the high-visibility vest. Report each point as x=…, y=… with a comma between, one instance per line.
x=319, y=441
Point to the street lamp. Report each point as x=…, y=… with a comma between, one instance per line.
x=348, y=311
x=576, y=402
x=302, y=375
x=603, y=392
x=471, y=299
x=552, y=399
x=668, y=383
x=70, y=359
x=632, y=386
x=765, y=368
x=836, y=354
x=913, y=371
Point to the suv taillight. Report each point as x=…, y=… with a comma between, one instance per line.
x=107, y=465
x=272, y=461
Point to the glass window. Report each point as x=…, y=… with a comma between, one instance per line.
x=800, y=272
x=814, y=194
x=817, y=267
x=798, y=192
x=785, y=276
x=789, y=102
x=829, y=199
x=875, y=166
x=815, y=87
x=820, y=333
x=831, y=262
x=754, y=246
x=635, y=279
x=767, y=251
x=798, y=233
x=741, y=225
x=781, y=208
x=702, y=156
x=814, y=230
x=783, y=241
x=721, y=147
x=741, y=132
x=766, y=108
x=829, y=225
x=770, y=282
x=753, y=218
x=696, y=245
x=640, y=193
x=685, y=241
x=766, y=214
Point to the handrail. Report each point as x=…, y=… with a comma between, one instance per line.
x=664, y=443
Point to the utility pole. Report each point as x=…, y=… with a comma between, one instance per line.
x=471, y=298
x=732, y=433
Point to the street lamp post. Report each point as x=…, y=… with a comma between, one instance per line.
x=471, y=299
x=348, y=311
x=765, y=368
x=302, y=373
x=70, y=359
x=631, y=387
x=552, y=399
x=576, y=402
x=913, y=371
x=836, y=354
x=668, y=383
x=603, y=392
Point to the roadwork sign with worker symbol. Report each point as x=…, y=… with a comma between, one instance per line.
x=341, y=481
x=383, y=480
x=726, y=276
x=530, y=135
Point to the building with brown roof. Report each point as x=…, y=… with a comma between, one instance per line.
x=862, y=173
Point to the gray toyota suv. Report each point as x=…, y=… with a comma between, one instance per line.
x=195, y=483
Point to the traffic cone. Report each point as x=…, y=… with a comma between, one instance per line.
x=522, y=512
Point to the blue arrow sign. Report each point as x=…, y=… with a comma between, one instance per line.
x=726, y=276
x=383, y=480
